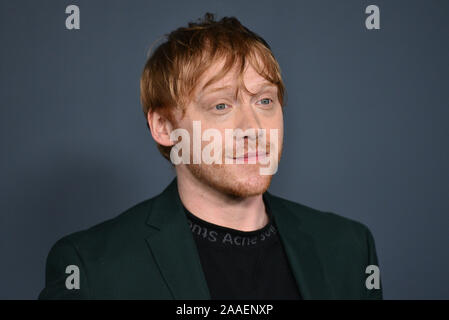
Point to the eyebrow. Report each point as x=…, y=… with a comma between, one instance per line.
x=217, y=89
x=264, y=85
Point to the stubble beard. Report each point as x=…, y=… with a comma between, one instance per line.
x=222, y=178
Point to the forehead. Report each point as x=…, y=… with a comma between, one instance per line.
x=251, y=78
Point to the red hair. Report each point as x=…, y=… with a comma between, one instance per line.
x=173, y=70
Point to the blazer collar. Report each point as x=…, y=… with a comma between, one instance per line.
x=300, y=249
x=174, y=249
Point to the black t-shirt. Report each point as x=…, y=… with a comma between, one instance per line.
x=243, y=264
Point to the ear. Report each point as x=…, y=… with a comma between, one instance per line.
x=160, y=128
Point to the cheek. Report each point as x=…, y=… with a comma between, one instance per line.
x=280, y=123
x=277, y=123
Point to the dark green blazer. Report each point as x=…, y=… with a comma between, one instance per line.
x=148, y=252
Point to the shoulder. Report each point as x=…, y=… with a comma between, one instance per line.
x=117, y=232
x=326, y=226
x=345, y=247
x=99, y=253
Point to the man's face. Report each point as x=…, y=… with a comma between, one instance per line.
x=222, y=110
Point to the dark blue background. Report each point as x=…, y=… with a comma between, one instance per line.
x=366, y=124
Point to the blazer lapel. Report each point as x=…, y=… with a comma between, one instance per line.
x=301, y=252
x=173, y=247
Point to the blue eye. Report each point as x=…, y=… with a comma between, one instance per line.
x=267, y=100
x=220, y=106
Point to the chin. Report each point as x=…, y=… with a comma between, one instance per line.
x=239, y=181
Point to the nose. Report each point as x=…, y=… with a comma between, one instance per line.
x=248, y=119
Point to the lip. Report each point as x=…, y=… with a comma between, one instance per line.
x=252, y=155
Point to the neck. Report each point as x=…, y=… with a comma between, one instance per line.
x=244, y=214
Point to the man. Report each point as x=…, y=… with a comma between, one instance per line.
x=213, y=97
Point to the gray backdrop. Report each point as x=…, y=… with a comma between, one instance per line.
x=366, y=124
